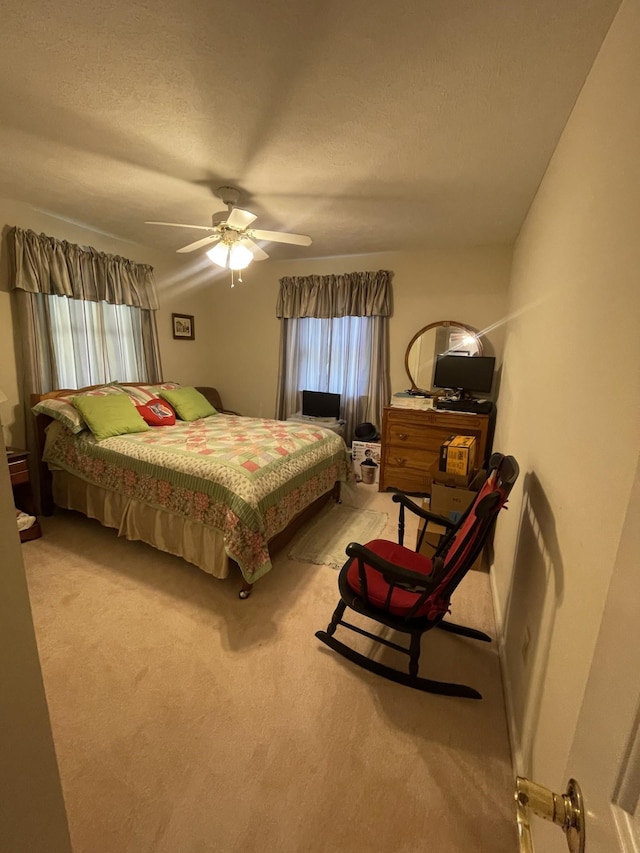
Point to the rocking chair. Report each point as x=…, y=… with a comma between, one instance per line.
x=411, y=593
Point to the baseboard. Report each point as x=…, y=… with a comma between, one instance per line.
x=514, y=741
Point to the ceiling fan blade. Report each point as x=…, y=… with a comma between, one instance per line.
x=258, y=253
x=239, y=218
x=281, y=237
x=206, y=241
x=181, y=225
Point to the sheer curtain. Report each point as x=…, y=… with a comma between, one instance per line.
x=96, y=342
x=334, y=337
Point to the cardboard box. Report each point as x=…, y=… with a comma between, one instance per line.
x=432, y=536
x=438, y=476
x=444, y=501
x=365, y=457
x=458, y=455
x=432, y=540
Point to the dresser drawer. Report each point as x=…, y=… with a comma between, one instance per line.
x=407, y=480
x=19, y=472
x=428, y=437
x=407, y=469
x=405, y=456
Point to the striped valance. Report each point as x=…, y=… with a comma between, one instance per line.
x=42, y=264
x=354, y=294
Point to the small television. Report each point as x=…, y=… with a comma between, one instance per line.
x=464, y=373
x=320, y=404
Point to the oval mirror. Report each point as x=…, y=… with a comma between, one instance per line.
x=433, y=340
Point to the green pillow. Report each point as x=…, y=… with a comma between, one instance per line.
x=188, y=403
x=63, y=410
x=109, y=416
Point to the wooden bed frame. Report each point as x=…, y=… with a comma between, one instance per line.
x=276, y=543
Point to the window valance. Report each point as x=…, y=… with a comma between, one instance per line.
x=42, y=264
x=356, y=294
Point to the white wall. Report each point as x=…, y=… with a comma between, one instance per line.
x=569, y=404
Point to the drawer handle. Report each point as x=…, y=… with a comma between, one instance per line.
x=403, y=436
x=400, y=461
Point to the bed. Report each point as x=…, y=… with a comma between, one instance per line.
x=215, y=491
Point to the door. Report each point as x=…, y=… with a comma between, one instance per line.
x=605, y=753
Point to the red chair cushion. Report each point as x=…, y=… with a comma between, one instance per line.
x=157, y=412
x=377, y=588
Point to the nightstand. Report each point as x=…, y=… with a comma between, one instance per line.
x=22, y=492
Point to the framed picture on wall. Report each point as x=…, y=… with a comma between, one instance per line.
x=183, y=326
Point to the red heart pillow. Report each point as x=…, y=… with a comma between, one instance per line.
x=157, y=412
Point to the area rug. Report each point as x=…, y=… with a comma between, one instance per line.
x=324, y=541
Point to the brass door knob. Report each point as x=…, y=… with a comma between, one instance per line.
x=565, y=810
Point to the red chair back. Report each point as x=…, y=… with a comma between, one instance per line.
x=464, y=546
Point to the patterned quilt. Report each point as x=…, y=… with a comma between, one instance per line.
x=246, y=477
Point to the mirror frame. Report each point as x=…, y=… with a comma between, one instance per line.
x=437, y=325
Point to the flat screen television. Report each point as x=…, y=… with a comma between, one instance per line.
x=464, y=373
x=320, y=404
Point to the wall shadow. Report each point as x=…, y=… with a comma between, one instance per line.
x=537, y=590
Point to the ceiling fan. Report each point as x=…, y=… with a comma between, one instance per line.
x=233, y=235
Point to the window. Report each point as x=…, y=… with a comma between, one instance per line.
x=335, y=338
x=334, y=355
x=342, y=355
x=95, y=342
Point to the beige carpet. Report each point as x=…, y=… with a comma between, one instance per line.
x=325, y=539
x=188, y=721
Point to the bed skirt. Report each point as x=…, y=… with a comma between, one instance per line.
x=192, y=541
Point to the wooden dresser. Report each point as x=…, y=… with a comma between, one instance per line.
x=411, y=442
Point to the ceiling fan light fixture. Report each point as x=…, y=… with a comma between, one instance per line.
x=219, y=254
x=239, y=257
x=233, y=257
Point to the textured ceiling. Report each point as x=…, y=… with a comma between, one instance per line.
x=370, y=126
